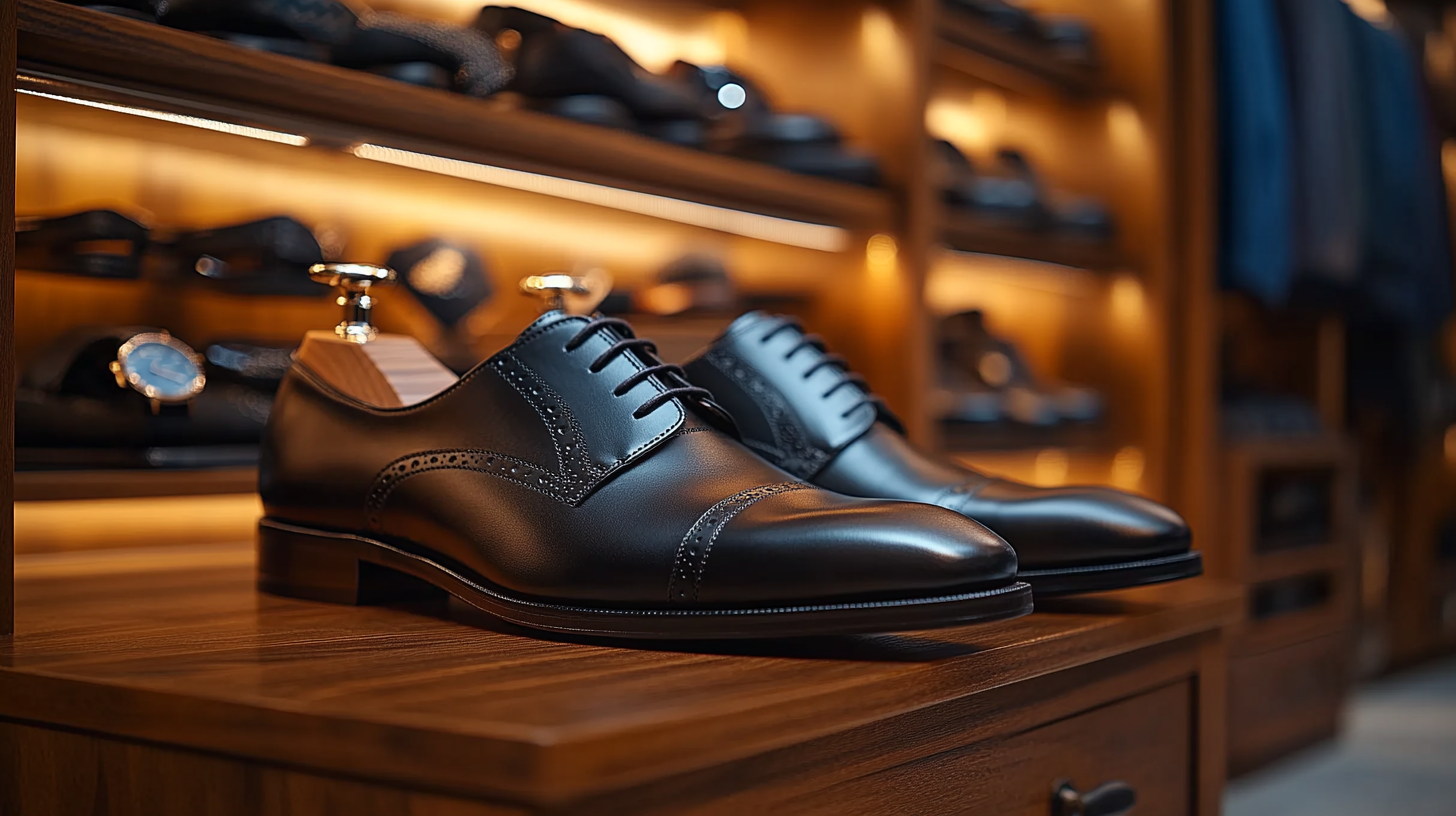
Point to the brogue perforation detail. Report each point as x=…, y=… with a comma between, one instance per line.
x=575, y=473
x=691, y=561
x=790, y=450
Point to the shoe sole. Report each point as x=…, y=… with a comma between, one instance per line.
x=1048, y=583
x=320, y=565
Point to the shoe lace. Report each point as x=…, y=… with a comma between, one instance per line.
x=828, y=359
x=670, y=375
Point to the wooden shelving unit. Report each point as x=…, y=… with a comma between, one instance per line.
x=1292, y=655
x=113, y=59
x=167, y=657
x=967, y=232
x=967, y=44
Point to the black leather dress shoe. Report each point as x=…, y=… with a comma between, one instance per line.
x=573, y=482
x=802, y=410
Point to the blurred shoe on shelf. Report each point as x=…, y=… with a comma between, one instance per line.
x=132, y=396
x=93, y=243
x=555, y=65
x=270, y=256
x=1066, y=37
x=1011, y=191
x=801, y=408
x=1258, y=415
x=991, y=365
x=1002, y=192
x=421, y=52
x=743, y=123
x=1069, y=37
x=694, y=284
x=1008, y=17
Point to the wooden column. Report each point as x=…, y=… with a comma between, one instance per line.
x=7, y=316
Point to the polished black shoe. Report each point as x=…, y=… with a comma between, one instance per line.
x=799, y=408
x=573, y=482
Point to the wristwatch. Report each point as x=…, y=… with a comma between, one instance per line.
x=161, y=368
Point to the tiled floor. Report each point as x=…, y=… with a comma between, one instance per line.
x=1397, y=757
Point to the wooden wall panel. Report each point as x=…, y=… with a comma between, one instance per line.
x=7, y=315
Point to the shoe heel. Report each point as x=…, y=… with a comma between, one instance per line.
x=316, y=568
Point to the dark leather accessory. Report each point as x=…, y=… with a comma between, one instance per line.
x=573, y=482
x=94, y=243
x=448, y=279
x=270, y=256
x=798, y=407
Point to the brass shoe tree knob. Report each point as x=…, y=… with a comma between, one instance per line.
x=354, y=282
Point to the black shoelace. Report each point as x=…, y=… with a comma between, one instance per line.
x=828, y=359
x=667, y=373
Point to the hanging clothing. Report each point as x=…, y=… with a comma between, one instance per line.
x=1328, y=173
x=1256, y=218
x=1406, y=270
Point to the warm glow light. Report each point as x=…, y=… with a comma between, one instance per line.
x=1127, y=468
x=1125, y=127
x=1126, y=300
x=880, y=256
x=1448, y=160
x=751, y=225
x=974, y=124
x=672, y=31
x=1051, y=467
x=1373, y=11
x=180, y=119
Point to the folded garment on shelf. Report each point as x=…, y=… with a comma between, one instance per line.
x=269, y=256
x=93, y=243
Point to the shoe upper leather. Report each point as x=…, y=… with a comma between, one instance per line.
x=565, y=468
x=799, y=408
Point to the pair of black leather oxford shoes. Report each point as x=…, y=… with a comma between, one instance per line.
x=573, y=482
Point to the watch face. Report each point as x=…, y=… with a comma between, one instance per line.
x=161, y=368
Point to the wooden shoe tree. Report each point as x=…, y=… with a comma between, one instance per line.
x=382, y=370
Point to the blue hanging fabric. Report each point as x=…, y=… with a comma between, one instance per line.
x=1256, y=223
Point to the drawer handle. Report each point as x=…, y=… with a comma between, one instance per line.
x=1108, y=799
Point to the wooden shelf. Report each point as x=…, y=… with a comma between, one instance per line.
x=179, y=649
x=126, y=484
x=968, y=232
x=972, y=46
x=177, y=71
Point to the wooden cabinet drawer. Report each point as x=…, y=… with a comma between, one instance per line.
x=1284, y=699
x=1145, y=741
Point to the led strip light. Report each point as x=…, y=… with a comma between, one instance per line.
x=750, y=225
x=276, y=136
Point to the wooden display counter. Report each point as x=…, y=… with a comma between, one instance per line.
x=168, y=685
